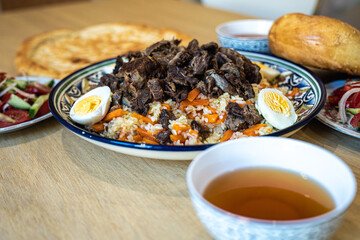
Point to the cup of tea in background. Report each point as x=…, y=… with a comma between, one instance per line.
x=245, y=35
x=270, y=188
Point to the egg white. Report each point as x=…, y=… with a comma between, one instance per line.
x=104, y=93
x=276, y=119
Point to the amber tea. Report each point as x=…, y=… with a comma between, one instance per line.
x=268, y=194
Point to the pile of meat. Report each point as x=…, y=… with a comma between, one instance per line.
x=166, y=70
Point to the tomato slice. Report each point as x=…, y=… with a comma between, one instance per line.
x=18, y=115
x=44, y=109
x=355, y=121
x=354, y=101
x=37, y=88
x=4, y=99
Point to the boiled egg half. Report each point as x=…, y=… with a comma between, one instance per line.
x=276, y=108
x=92, y=106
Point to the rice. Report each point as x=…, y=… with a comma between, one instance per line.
x=127, y=126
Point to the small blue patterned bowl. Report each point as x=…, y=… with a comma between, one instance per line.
x=245, y=35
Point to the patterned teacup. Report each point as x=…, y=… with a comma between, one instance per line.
x=318, y=164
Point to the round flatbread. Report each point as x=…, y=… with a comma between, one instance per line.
x=60, y=52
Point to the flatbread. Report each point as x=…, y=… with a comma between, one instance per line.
x=60, y=52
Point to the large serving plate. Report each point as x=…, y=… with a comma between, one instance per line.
x=307, y=105
x=338, y=126
x=42, y=80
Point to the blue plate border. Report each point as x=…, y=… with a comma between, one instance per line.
x=167, y=148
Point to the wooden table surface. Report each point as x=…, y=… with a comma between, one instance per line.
x=54, y=185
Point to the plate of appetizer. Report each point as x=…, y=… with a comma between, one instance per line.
x=23, y=101
x=342, y=107
x=171, y=101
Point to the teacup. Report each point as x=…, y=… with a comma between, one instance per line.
x=318, y=164
x=245, y=35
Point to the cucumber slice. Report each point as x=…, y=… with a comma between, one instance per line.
x=37, y=105
x=17, y=102
x=51, y=83
x=353, y=111
x=21, y=83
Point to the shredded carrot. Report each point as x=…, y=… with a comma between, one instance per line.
x=98, y=127
x=113, y=114
x=145, y=134
x=122, y=138
x=293, y=92
x=180, y=128
x=196, y=102
x=252, y=131
x=193, y=132
x=248, y=101
x=211, y=117
x=227, y=135
x=213, y=110
x=149, y=141
x=193, y=94
x=166, y=106
x=221, y=118
x=141, y=118
x=137, y=138
x=175, y=138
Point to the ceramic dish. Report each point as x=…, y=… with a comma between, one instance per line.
x=235, y=35
x=335, y=176
x=307, y=105
x=42, y=80
x=322, y=116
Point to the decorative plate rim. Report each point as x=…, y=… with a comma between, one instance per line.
x=20, y=126
x=316, y=85
x=336, y=126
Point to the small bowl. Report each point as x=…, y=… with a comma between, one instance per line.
x=286, y=154
x=235, y=35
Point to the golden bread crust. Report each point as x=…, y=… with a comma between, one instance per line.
x=60, y=52
x=317, y=41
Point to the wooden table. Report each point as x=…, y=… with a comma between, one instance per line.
x=54, y=185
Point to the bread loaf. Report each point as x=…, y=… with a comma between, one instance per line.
x=317, y=41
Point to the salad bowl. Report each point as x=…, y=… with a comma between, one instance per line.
x=19, y=126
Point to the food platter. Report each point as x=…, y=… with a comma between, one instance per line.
x=327, y=120
x=313, y=99
x=42, y=80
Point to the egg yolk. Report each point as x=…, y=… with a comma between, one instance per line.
x=277, y=103
x=87, y=105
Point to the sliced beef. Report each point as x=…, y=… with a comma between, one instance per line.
x=235, y=120
x=177, y=76
x=111, y=81
x=166, y=70
x=221, y=82
x=140, y=102
x=202, y=130
x=158, y=47
x=200, y=63
x=251, y=115
x=220, y=59
x=138, y=70
x=181, y=95
x=118, y=64
x=155, y=88
x=193, y=46
x=116, y=97
x=164, y=136
x=181, y=58
x=210, y=47
x=165, y=117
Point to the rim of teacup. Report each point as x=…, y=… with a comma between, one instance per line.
x=220, y=29
x=332, y=214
